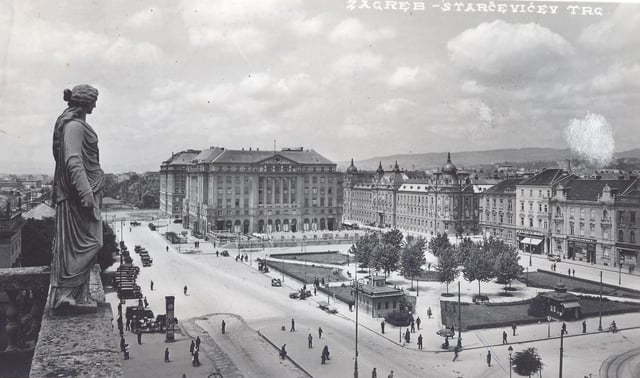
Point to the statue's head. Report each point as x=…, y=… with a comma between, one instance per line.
x=83, y=96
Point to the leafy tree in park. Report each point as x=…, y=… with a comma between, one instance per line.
x=448, y=266
x=413, y=257
x=527, y=362
x=506, y=259
x=463, y=250
x=439, y=244
x=387, y=254
x=479, y=264
x=364, y=248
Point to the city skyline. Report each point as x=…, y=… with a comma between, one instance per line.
x=200, y=74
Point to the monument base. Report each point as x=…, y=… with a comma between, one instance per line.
x=77, y=309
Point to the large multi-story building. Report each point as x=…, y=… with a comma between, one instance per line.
x=533, y=214
x=497, y=211
x=173, y=182
x=253, y=191
x=627, y=243
x=443, y=202
x=584, y=219
x=11, y=223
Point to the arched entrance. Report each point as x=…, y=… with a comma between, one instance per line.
x=237, y=227
x=322, y=224
x=261, y=226
x=306, y=225
x=245, y=226
x=269, y=226
x=278, y=225
x=228, y=225
x=294, y=226
x=285, y=225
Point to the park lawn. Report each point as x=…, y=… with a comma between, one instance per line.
x=475, y=316
x=549, y=280
x=308, y=273
x=329, y=257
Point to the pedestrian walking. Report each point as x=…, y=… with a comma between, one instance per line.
x=139, y=336
x=198, y=342
x=382, y=326
x=504, y=337
x=283, y=351
x=310, y=341
x=166, y=355
x=167, y=248
x=374, y=373
x=418, y=321
x=185, y=289
x=223, y=326
x=584, y=326
x=456, y=352
x=217, y=254
x=564, y=328
x=453, y=330
x=413, y=326
x=315, y=290
x=407, y=336
x=420, y=341
x=514, y=327
x=325, y=353
x=390, y=374
x=192, y=347
x=569, y=272
x=196, y=358
x=146, y=303
x=293, y=325
x=151, y=285
x=429, y=312
x=574, y=272
x=489, y=358
x=319, y=332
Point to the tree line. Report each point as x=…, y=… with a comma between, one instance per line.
x=480, y=261
x=142, y=191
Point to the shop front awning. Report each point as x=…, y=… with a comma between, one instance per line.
x=571, y=305
x=531, y=241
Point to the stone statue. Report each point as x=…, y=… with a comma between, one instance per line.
x=77, y=196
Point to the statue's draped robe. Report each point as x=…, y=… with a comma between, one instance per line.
x=78, y=235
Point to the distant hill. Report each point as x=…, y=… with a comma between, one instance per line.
x=433, y=160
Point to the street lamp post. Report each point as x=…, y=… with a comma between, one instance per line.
x=355, y=365
x=510, y=350
x=548, y=326
x=561, y=349
x=527, y=276
x=459, y=319
x=600, y=321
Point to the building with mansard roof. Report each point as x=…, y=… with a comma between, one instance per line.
x=497, y=211
x=584, y=219
x=252, y=191
x=442, y=202
x=173, y=182
x=627, y=237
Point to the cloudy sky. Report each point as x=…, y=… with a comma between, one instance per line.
x=174, y=75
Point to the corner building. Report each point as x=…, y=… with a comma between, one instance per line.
x=253, y=191
x=173, y=182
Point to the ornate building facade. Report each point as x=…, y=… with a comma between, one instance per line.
x=252, y=191
x=627, y=211
x=173, y=182
x=442, y=202
x=533, y=214
x=497, y=211
x=11, y=223
x=584, y=219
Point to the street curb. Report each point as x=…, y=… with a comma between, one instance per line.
x=546, y=338
x=289, y=358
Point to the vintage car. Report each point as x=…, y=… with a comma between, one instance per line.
x=553, y=257
x=276, y=282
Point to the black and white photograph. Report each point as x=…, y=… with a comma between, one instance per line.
x=319, y=188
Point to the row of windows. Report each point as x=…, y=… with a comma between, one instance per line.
x=270, y=168
x=495, y=203
x=541, y=208
x=540, y=193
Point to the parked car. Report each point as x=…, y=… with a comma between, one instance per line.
x=553, y=257
x=276, y=282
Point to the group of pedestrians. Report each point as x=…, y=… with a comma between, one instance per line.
x=242, y=257
x=194, y=350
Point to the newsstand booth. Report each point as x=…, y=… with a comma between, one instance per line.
x=560, y=304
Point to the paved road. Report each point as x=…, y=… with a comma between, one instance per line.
x=625, y=365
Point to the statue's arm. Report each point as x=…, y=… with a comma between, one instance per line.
x=73, y=140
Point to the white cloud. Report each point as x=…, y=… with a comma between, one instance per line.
x=352, y=30
x=472, y=87
x=501, y=48
x=395, y=105
x=357, y=63
x=617, y=78
x=308, y=26
x=124, y=51
x=592, y=138
x=256, y=83
x=403, y=76
x=149, y=16
x=618, y=31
